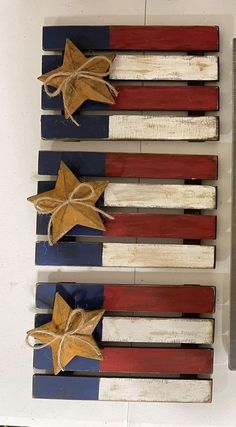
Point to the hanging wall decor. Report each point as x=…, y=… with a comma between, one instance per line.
x=190, y=227
x=144, y=343
x=137, y=68
x=120, y=370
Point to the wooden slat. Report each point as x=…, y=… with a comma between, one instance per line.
x=157, y=255
x=130, y=165
x=130, y=127
x=162, y=226
x=69, y=253
x=154, y=67
x=157, y=360
x=160, y=196
x=153, y=195
x=128, y=298
x=145, y=225
x=157, y=330
x=138, y=37
x=125, y=255
x=176, y=98
x=146, y=390
x=122, y=389
x=87, y=296
x=184, y=299
x=163, y=128
x=136, y=360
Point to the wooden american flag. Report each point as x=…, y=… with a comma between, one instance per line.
x=146, y=357
x=173, y=366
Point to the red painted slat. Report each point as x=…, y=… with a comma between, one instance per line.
x=166, y=166
x=157, y=360
x=163, y=299
x=200, y=227
x=189, y=98
x=175, y=38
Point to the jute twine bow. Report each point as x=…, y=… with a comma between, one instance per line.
x=62, y=336
x=63, y=203
x=78, y=74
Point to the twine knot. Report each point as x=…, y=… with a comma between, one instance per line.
x=62, y=336
x=60, y=204
x=79, y=73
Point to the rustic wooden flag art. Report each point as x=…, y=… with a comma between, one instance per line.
x=145, y=354
x=190, y=198
x=104, y=120
x=149, y=343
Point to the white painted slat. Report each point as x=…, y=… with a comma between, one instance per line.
x=160, y=196
x=163, y=128
x=155, y=390
x=164, y=67
x=157, y=255
x=157, y=330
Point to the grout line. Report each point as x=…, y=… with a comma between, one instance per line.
x=128, y=408
x=145, y=12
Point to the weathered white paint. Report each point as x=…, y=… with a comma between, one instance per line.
x=157, y=255
x=164, y=67
x=155, y=390
x=160, y=196
x=163, y=128
x=157, y=330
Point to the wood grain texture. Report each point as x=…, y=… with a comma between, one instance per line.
x=157, y=360
x=170, y=166
x=157, y=255
x=175, y=38
x=125, y=255
x=176, y=98
x=67, y=388
x=158, y=67
x=130, y=127
x=128, y=298
x=153, y=67
x=161, y=299
x=135, y=37
x=162, y=226
x=157, y=330
x=155, y=390
x=136, y=360
x=160, y=196
x=163, y=128
x=145, y=225
x=122, y=389
x=130, y=165
x=69, y=253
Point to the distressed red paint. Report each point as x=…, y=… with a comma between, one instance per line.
x=166, y=166
x=161, y=225
x=176, y=98
x=157, y=360
x=162, y=299
x=163, y=38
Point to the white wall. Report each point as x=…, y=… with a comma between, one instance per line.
x=20, y=44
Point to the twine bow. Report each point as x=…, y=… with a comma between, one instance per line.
x=78, y=74
x=62, y=336
x=62, y=203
